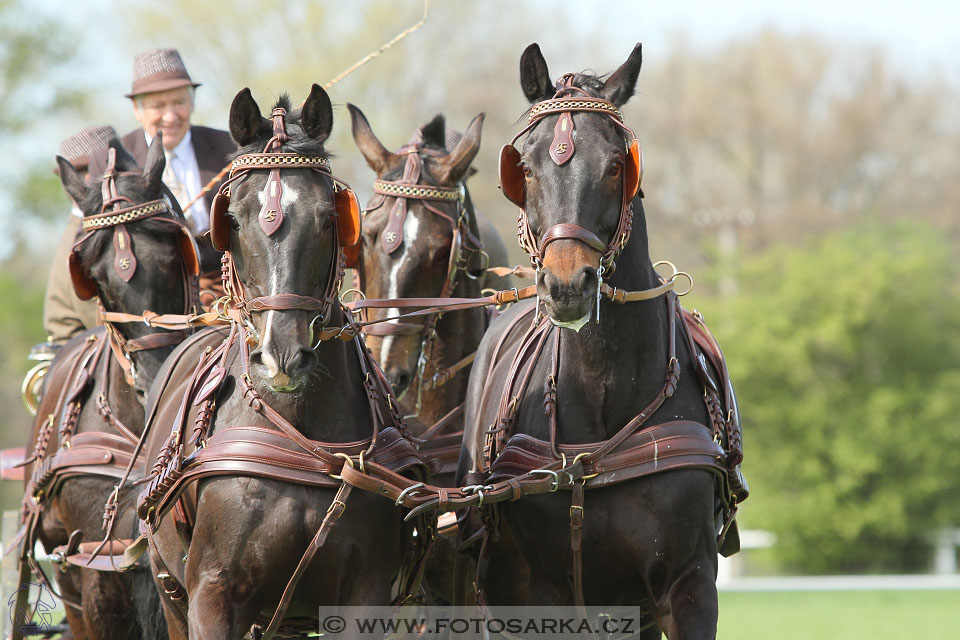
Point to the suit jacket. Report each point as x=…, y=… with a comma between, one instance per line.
x=212, y=148
x=64, y=314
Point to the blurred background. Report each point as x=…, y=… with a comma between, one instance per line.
x=801, y=163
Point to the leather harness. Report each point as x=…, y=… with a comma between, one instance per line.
x=283, y=453
x=437, y=442
x=60, y=453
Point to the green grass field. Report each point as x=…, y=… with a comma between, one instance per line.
x=839, y=615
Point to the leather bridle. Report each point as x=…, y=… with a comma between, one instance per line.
x=410, y=186
x=274, y=160
x=568, y=100
x=113, y=214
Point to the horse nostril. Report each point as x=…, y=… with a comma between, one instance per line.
x=303, y=362
x=588, y=281
x=399, y=380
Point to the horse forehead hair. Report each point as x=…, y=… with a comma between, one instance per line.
x=289, y=193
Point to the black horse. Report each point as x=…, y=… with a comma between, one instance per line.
x=613, y=393
x=136, y=256
x=266, y=414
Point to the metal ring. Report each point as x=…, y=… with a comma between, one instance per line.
x=483, y=270
x=672, y=266
x=403, y=494
x=349, y=461
x=584, y=454
x=688, y=277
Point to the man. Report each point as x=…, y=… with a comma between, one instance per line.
x=163, y=101
x=64, y=314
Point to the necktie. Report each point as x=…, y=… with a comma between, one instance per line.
x=172, y=181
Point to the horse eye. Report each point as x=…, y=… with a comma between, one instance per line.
x=615, y=168
x=526, y=169
x=233, y=222
x=327, y=223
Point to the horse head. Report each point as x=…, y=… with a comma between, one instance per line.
x=575, y=178
x=134, y=247
x=282, y=217
x=419, y=233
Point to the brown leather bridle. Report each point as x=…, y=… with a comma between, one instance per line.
x=410, y=186
x=113, y=214
x=274, y=159
x=568, y=100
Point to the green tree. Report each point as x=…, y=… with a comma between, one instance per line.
x=845, y=356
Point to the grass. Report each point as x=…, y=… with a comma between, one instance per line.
x=839, y=615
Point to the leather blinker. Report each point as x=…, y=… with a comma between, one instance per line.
x=348, y=216
x=271, y=214
x=513, y=182
x=83, y=285
x=633, y=174
x=189, y=251
x=219, y=225
x=124, y=260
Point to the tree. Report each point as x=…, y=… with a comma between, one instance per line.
x=844, y=353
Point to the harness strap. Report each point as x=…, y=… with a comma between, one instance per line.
x=336, y=509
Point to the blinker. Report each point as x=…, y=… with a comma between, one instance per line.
x=513, y=182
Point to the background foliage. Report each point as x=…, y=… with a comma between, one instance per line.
x=809, y=185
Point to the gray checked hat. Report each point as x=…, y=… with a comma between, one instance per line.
x=78, y=148
x=159, y=70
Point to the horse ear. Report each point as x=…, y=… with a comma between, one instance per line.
x=534, y=76
x=245, y=119
x=71, y=180
x=125, y=161
x=316, y=117
x=435, y=132
x=155, y=163
x=376, y=155
x=454, y=167
x=620, y=85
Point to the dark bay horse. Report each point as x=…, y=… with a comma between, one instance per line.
x=437, y=247
x=253, y=424
x=608, y=383
x=422, y=239
x=136, y=256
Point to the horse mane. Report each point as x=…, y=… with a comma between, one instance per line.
x=299, y=141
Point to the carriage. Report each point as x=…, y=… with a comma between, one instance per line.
x=291, y=431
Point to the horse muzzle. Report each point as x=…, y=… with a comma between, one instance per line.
x=569, y=297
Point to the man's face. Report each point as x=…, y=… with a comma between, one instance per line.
x=167, y=111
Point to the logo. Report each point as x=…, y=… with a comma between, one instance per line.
x=271, y=215
x=391, y=236
x=561, y=147
x=124, y=263
x=20, y=612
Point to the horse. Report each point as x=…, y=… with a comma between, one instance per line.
x=139, y=259
x=603, y=382
x=260, y=420
x=438, y=246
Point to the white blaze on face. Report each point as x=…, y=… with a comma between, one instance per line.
x=288, y=197
x=410, y=228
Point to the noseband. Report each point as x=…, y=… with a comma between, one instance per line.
x=568, y=100
x=274, y=160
